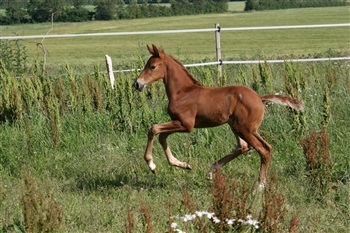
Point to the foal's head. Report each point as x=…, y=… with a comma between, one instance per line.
x=154, y=70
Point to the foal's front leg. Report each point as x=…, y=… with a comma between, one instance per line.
x=164, y=129
x=171, y=159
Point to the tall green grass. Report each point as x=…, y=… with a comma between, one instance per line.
x=81, y=144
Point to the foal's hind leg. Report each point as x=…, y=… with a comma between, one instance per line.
x=264, y=150
x=241, y=148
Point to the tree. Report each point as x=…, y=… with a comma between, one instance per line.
x=134, y=9
x=144, y=9
x=249, y=5
x=43, y=11
x=78, y=3
x=15, y=11
x=75, y=15
x=220, y=6
x=105, y=9
x=181, y=7
x=122, y=12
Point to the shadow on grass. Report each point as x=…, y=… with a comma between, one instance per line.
x=96, y=183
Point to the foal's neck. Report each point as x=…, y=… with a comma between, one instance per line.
x=178, y=78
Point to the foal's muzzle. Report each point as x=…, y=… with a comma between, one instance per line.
x=137, y=86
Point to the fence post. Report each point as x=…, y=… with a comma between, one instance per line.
x=218, y=48
x=110, y=70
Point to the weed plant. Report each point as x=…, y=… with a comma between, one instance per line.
x=41, y=213
x=84, y=142
x=13, y=55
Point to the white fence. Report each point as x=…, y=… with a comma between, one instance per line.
x=219, y=62
x=217, y=29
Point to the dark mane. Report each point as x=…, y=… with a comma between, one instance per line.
x=195, y=81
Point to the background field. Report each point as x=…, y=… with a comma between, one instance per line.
x=194, y=46
x=72, y=148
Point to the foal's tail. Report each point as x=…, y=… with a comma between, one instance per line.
x=283, y=100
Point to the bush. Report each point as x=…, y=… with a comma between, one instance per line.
x=105, y=10
x=75, y=15
x=283, y=4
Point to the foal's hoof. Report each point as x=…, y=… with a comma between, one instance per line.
x=154, y=171
x=188, y=167
x=210, y=176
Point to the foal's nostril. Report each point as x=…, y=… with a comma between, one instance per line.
x=136, y=85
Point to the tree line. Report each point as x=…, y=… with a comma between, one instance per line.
x=284, y=4
x=37, y=11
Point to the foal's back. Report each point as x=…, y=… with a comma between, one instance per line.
x=220, y=105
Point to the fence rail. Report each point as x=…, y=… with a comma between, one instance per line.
x=109, y=61
x=174, y=31
x=111, y=71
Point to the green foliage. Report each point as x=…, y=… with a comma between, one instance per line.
x=13, y=56
x=85, y=141
x=105, y=9
x=266, y=79
x=186, y=7
x=295, y=87
x=75, y=15
x=16, y=13
x=284, y=4
x=47, y=10
x=62, y=11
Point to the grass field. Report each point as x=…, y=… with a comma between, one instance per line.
x=72, y=155
x=71, y=148
x=194, y=46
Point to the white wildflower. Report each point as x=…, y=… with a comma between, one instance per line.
x=178, y=230
x=189, y=217
x=261, y=187
x=216, y=220
x=173, y=225
x=230, y=221
x=251, y=221
x=210, y=215
x=199, y=213
x=241, y=221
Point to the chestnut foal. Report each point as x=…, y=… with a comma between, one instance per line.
x=194, y=106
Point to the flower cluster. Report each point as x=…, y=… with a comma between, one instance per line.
x=250, y=221
x=211, y=216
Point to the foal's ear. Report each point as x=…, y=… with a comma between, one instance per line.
x=154, y=50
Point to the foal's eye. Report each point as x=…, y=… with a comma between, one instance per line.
x=152, y=67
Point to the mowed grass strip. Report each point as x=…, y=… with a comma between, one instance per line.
x=192, y=46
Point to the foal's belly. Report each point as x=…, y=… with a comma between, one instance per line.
x=212, y=119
